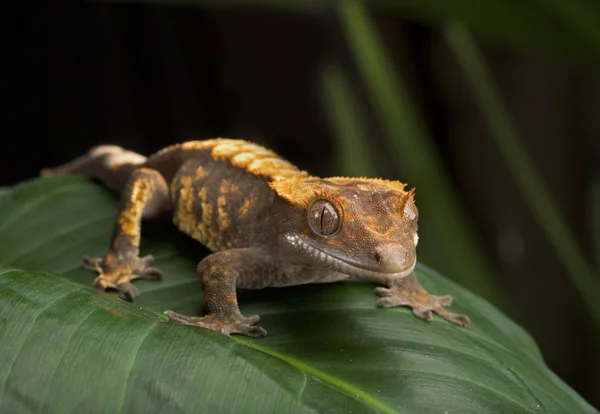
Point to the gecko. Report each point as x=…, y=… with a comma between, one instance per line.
x=266, y=223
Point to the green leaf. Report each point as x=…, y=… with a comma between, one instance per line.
x=67, y=348
x=520, y=165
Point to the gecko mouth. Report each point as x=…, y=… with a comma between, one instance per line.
x=339, y=265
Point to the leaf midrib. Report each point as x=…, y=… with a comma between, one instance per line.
x=342, y=386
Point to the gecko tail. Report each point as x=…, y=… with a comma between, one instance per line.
x=110, y=164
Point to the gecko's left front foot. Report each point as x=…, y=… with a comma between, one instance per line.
x=117, y=273
x=409, y=292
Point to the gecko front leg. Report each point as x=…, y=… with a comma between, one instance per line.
x=221, y=273
x=145, y=196
x=407, y=291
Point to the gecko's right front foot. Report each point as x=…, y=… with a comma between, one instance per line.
x=223, y=324
x=117, y=273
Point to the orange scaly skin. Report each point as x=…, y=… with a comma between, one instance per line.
x=266, y=222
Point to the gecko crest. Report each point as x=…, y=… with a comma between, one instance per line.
x=248, y=156
x=302, y=192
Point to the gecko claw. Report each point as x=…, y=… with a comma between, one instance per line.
x=226, y=325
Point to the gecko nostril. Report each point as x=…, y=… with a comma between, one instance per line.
x=378, y=257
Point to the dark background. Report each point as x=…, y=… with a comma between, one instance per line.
x=146, y=76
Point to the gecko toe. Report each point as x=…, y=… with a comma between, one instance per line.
x=151, y=272
x=101, y=284
x=128, y=291
x=383, y=292
x=392, y=302
x=182, y=319
x=146, y=261
x=445, y=300
x=251, y=320
x=424, y=314
x=248, y=330
x=92, y=263
x=454, y=318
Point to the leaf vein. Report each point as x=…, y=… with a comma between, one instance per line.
x=336, y=383
x=130, y=367
x=30, y=205
x=64, y=352
x=26, y=336
x=44, y=241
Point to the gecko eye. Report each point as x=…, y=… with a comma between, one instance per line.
x=323, y=218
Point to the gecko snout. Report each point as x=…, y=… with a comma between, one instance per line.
x=393, y=258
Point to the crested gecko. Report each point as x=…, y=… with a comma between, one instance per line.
x=266, y=222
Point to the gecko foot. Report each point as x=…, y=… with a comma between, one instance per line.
x=411, y=293
x=117, y=273
x=226, y=325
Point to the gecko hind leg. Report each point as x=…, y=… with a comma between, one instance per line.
x=145, y=195
x=409, y=292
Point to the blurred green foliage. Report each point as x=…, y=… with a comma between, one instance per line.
x=520, y=165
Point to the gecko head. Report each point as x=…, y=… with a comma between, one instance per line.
x=358, y=226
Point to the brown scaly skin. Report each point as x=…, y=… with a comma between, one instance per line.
x=267, y=223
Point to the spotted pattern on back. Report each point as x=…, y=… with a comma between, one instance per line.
x=248, y=156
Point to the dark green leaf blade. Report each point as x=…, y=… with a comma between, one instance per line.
x=68, y=348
